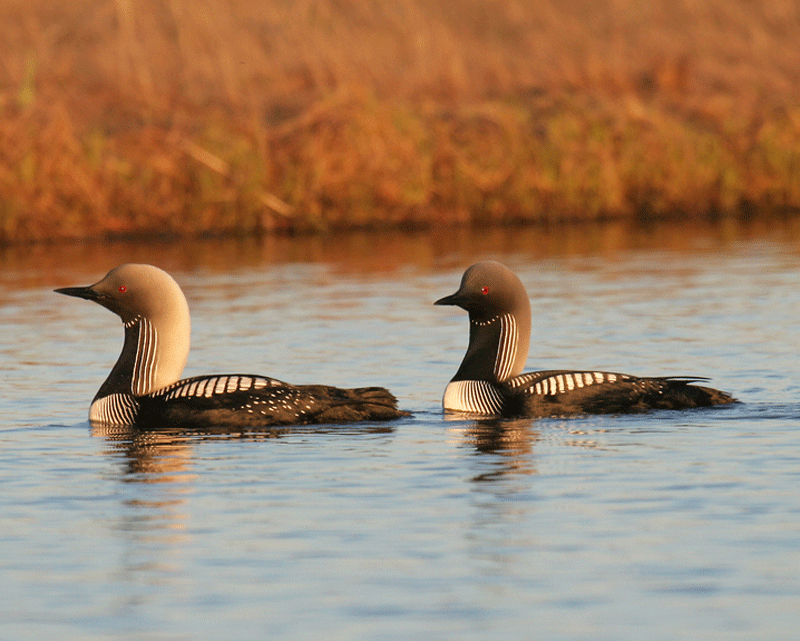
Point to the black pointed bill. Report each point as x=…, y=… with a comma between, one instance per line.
x=452, y=299
x=79, y=292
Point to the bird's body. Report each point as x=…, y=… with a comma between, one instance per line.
x=490, y=381
x=258, y=401
x=144, y=387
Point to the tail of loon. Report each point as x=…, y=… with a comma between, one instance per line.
x=359, y=404
x=667, y=393
x=706, y=396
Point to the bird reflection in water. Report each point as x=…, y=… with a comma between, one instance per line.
x=512, y=441
x=150, y=456
x=166, y=455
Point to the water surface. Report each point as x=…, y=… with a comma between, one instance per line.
x=663, y=526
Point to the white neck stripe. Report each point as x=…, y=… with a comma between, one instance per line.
x=115, y=409
x=476, y=397
x=506, y=347
x=145, y=365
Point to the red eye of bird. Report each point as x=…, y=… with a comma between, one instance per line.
x=484, y=290
x=122, y=289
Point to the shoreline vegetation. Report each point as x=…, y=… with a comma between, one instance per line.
x=203, y=117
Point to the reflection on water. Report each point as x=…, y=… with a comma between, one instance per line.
x=512, y=437
x=165, y=456
x=681, y=524
x=382, y=253
x=512, y=441
x=151, y=457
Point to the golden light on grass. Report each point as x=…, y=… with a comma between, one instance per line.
x=131, y=117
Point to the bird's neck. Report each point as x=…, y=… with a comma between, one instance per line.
x=152, y=357
x=498, y=348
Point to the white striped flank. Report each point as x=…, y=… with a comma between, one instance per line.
x=201, y=389
x=475, y=397
x=145, y=366
x=562, y=382
x=506, y=347
x=115, y=409
x=208, y=390
x=216, y=385
x=223, y=385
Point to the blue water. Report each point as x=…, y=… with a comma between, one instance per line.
x=664, y=526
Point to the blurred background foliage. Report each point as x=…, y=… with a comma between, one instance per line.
x=185, y=117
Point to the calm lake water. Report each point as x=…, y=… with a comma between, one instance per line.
x=663, y=526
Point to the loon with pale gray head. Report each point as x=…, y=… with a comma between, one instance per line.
x=144, y=387
x=490, y=381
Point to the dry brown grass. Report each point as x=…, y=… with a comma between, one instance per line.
x=208, y=116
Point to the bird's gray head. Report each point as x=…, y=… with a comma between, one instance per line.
x=488, y=289
x=500, y=322
x=157, y=325
x=136, y=291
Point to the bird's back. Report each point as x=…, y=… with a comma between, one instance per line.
x=257, y=401
x=564, y=393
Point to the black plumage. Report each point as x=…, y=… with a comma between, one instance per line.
x=256, y=401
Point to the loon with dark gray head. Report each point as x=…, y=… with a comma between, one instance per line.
x=144, y=387
x=490, y=381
